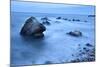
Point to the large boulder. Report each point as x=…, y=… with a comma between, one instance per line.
x=32, y=28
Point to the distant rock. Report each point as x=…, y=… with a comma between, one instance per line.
x=73, y=19
x=32, y=28
x=65, y=19
x=45, y=20
x=69, y=19
x=57, y=22
x=75, y=33
x=85, y=21
x=85, y=49
x=76, y=20
x=89, y=45
x=58, y=18
x=48, y=62
x=91, y=15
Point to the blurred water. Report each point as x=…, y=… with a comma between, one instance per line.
x=56, y=46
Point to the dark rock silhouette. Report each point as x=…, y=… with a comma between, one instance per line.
x=45, y=20
x=69, y=19
x=85, y=21
x=48, y=62
x=58, y=18
x=33, y=28
x=75, y=20
x=65, y=19
x=75, y=33
x=89, y=45
x=91, y=15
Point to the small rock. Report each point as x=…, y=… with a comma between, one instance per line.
x=65, y=19
x=57, y=21
x=48, y=62
x=84, y=48
x=45, y=18
x=77, y=20
x=72, y=54
x=73, y=20
x=58, y=18
x=75, y=33
x=91, y=15
x=85, y=21
x=69, y=19
x=46, y=22
x=89, y=45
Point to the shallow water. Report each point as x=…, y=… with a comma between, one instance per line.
x=56, y=46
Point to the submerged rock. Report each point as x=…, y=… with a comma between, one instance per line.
x=32, y=28
x=57, y=22
x=75, y=33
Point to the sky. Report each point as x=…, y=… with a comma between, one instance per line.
x=36, y=7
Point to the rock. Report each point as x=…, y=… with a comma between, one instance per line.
x=73, y=20
x=57, y=22
x=69, y=19
x=65, y=19
x=91, y=15
x=45, y=18
x=32, y=28
x=45, y=21
x=75, y=33
x=58, y=18
x=85, y=21
x=89, y=45
x=72, y=54
x=76, y=20
x=48, y=62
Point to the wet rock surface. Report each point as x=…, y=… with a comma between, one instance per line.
x=85, y=54
x=32, y=28
x=45, y=20
x=75, y=33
